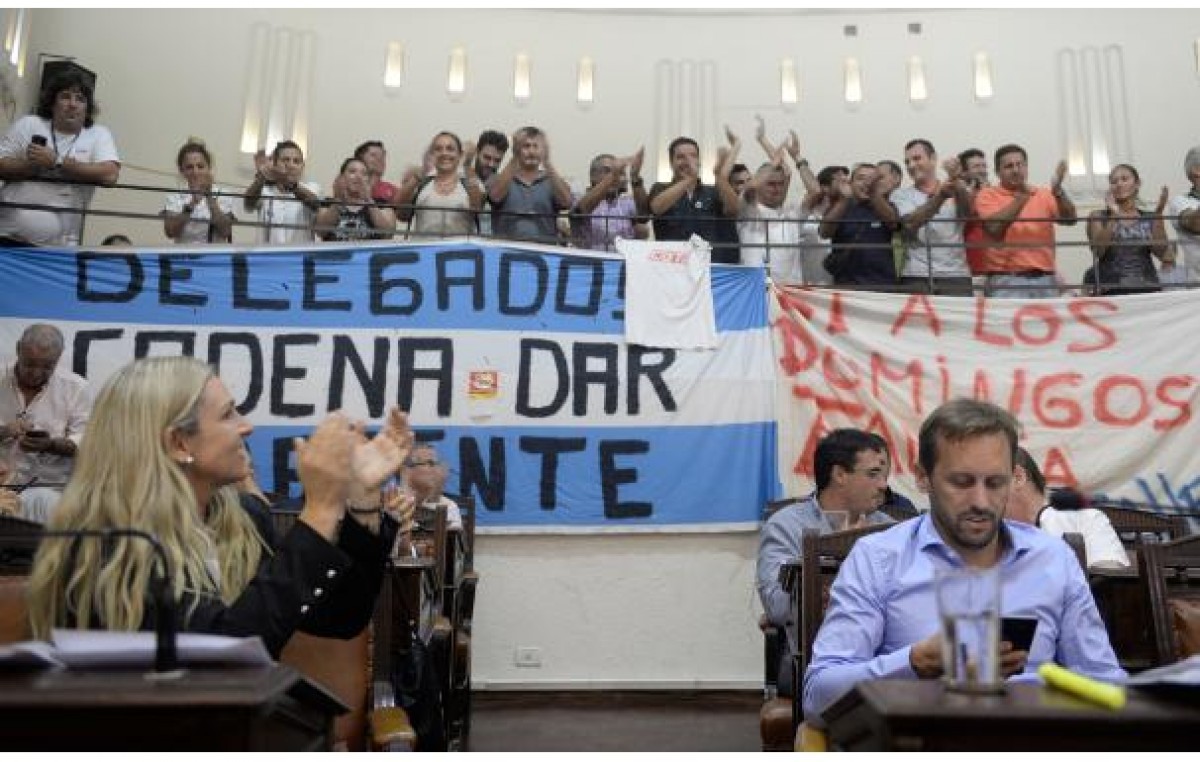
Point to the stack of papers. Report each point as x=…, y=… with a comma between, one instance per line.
x=1180, y=675
x=83, y=649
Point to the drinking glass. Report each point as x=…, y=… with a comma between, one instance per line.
x=968, y=602
x=838, y=520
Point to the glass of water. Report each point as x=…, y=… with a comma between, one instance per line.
x=838, y=520
x=968, y=602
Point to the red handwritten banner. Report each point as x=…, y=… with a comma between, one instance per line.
x=1105, y=389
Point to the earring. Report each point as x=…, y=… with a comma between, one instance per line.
x=187, y=460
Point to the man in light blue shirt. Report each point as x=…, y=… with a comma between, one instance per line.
x=882, y=619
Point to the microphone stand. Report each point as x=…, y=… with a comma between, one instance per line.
x=166, y=659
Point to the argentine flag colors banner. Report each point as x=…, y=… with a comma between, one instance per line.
x=510, y=359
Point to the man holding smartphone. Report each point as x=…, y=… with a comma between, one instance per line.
x=883, y=616
x=43, y=413
x=55, y=158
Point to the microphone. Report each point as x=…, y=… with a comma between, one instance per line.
x=166, y=659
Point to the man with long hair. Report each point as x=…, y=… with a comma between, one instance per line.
x=55, y=157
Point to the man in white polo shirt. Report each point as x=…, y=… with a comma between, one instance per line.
x=932, y=225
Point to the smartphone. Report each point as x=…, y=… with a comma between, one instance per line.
x=1019, y=631
x=38, y=140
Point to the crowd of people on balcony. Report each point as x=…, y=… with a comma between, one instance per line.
x=858, y=226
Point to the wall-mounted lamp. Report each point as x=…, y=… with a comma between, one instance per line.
x=10, y=29
x=456, y=79
x=854, y=91
x=304, y=60
x=1094, y=110
x=917, y=92
x=256, y=77
x=584, y=91
x=279, y=87
x=789, y=93
x=521, y=88
x=20, y=40
x=983, y=77
x=393, y=66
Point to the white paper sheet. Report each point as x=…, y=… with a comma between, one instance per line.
x=100, y=648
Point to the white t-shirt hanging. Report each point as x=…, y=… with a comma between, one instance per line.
x=668, y=293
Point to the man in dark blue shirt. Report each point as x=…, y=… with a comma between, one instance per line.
x=686, y=206
x=862, y=240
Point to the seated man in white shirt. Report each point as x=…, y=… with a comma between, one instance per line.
x=43, y=412
x=1027, y=503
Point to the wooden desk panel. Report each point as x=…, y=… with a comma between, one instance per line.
x=920, y=715
x=269, y=709
x=1121, y=599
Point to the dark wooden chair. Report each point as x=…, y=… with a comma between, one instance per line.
x=1131, y=524
x=1171, y=574
x=781, y=714
x=775, y=717
x=18, y=544
x=821, y=559
x=431, y=538
x=1075, y=541
x=358, y=671
x=808, y=579
x=460, y=586
x=14, y=609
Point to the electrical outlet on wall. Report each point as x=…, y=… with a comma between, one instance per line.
x=527, y=656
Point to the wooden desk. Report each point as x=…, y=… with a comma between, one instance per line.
x=920, y=715
x=268, y=709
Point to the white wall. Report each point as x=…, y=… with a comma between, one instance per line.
x=624, y=609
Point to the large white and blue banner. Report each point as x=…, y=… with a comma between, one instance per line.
x=510, y=359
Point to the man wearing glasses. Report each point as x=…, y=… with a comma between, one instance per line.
x=425, y=477
x=851, y=470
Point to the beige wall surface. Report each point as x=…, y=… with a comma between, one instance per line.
x=650, y=610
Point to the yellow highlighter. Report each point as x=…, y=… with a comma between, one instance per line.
x=1104, y=694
